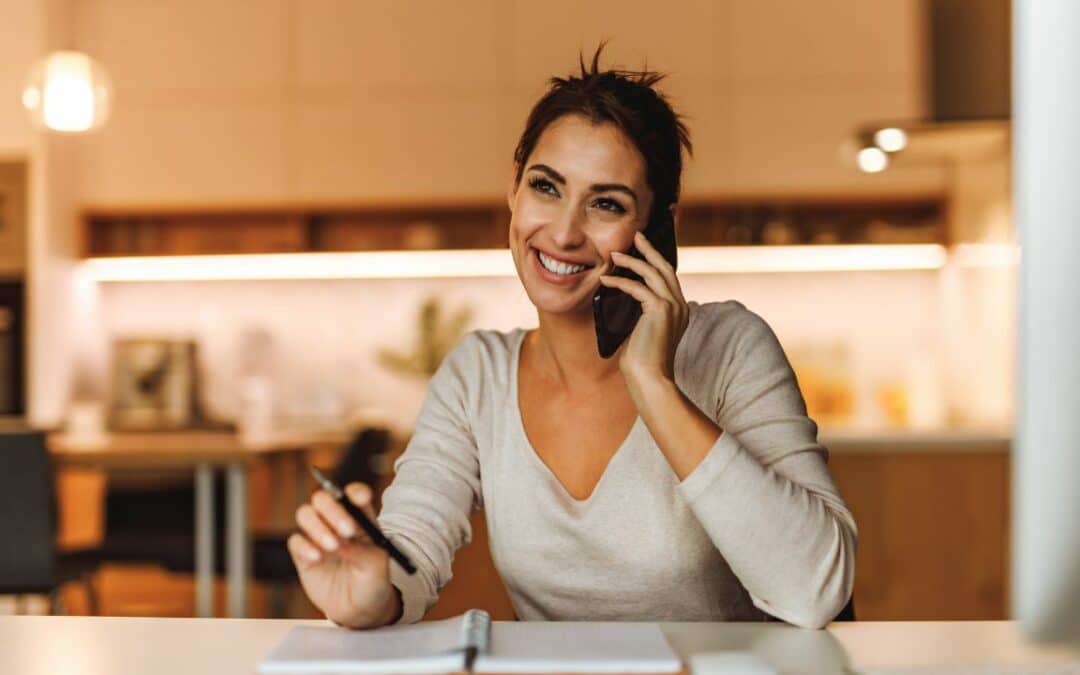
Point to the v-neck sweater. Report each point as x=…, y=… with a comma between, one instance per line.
x=757, y=529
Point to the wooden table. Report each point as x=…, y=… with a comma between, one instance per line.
x=205, y=453
x=31, y=645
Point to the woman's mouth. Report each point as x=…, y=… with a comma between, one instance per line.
x=558, y=271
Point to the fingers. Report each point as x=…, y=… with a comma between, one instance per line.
x=326, y=526
x=335, y=515
x=652, y=277
x=634, y=289
x=304, y=553
x=657, y=259
x=360, y=494
x=316, y=529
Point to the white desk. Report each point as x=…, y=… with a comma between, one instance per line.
x=31, y=645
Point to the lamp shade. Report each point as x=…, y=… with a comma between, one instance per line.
x=68, y=92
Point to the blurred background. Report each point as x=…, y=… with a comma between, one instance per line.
x=238, y=241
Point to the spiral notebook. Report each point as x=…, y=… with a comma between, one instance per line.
x=473, y=643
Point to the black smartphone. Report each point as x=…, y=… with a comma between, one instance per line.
x=614, y=312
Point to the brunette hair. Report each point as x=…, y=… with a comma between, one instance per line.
x=627, y=99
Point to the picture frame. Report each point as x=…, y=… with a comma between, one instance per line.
x=153, y=384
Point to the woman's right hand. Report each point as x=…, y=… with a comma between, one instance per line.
x=343, y=573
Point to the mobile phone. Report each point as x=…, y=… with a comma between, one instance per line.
x=614, y=312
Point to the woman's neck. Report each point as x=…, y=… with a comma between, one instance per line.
x=566, y=349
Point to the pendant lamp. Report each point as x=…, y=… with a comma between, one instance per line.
x=68, y=92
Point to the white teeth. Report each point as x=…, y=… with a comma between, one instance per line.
x=552, y=265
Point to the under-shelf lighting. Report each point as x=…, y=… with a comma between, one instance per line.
x=987, y=255
x=832, y=258
x=498, y=263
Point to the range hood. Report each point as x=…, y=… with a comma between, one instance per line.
x=968, y=90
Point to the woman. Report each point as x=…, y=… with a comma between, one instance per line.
x=679, y=480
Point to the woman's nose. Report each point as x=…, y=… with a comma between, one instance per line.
x=567, y=230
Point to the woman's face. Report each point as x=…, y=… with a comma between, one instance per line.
x=581, y=196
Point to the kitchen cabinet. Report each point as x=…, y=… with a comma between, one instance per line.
x=933, y=531
x=736, y=220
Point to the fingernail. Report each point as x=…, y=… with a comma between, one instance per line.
x=618, y=253
x=346, y=529
x=330, y=544
x=313, y=556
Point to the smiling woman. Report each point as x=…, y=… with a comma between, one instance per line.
x=680, y=480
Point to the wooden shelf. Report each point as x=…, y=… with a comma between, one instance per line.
x=749, y=220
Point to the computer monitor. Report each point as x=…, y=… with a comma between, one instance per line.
x=1046, y=190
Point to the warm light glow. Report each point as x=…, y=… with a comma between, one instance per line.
x=891, y=139
x=359, y=265
x=31, y=98
x=872, y=160
x=498, y=263
x=838, y=258
x=987, y=255
x=68, y=92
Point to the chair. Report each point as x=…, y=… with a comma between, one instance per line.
x=27, y=550
x=29, y=562
x=148, y=526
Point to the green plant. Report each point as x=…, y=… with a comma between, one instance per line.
x=435, y=336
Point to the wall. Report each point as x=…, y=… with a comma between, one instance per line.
x=32, y=28
x=346, y=100
x=283, y=100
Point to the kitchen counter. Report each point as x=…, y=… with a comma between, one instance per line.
x=962, y=439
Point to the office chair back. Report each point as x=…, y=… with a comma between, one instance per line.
x=27, y=553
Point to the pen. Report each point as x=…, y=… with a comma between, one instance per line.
x=371, y=528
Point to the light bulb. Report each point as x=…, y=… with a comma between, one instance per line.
x=872, y=160
x=890, y=139
x=68, y=92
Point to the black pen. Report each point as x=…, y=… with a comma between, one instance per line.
x=371, y=528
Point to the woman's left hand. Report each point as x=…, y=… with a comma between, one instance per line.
x=649, y=352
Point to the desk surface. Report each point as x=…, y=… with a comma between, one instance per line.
x=31, y=645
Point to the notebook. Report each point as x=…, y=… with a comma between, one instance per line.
x=473, y=643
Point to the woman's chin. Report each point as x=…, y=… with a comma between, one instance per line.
x=548, y=302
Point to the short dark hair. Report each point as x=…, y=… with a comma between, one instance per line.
x=627, y=99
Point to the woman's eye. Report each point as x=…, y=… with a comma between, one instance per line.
x=610, y=205
x=543, y=185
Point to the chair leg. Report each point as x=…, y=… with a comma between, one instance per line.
x=56, y=602
x=92, y=605
x=277, y=600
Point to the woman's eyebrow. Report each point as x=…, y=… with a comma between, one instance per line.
x=551, y=173
x=596, y=187
x=617, y=187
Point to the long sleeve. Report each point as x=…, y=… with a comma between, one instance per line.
x=764, y=493
x=436, y=485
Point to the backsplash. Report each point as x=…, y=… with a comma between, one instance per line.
x=327, y=334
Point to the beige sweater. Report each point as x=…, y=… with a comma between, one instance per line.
x=758, y=527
